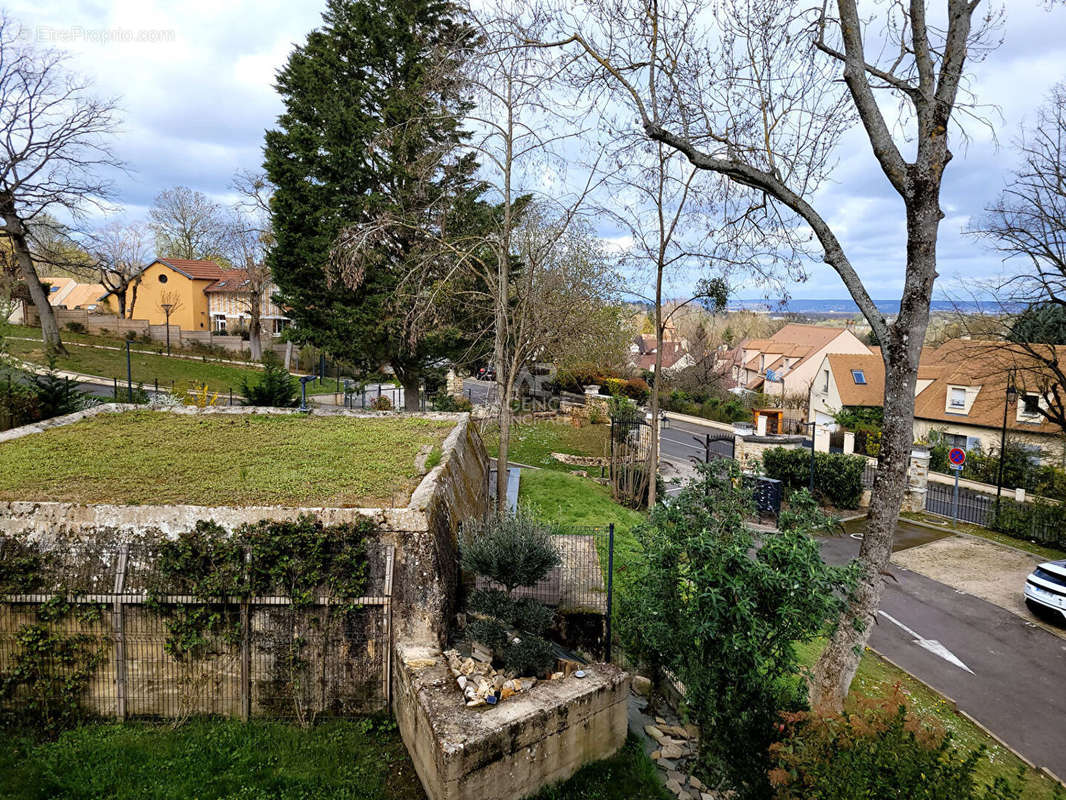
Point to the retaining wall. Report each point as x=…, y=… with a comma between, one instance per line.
x=512, y=749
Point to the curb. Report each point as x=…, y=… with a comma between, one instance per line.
x=969, y=717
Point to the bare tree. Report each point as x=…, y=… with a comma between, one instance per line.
x=1028, y=222
x=250, y=236
x=671, y=221
x=120, y=252
x=752, y=90
x=188, y=224
x=53, y=146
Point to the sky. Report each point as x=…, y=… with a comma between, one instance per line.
x=195, y=84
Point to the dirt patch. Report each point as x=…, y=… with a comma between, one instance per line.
x=983, y=569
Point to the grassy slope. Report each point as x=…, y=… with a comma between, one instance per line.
x=147, y=368
x=158, y=457
x=876, y=678
x=533, y=444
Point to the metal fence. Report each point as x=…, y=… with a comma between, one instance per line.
x=269, y=658
x=580, y=589
x=869, y=474
x=975, y=507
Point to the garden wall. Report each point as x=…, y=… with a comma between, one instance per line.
x=420, y=541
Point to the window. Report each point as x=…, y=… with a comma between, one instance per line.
x=1030, y=405
x=53, y=289
x=280, y=325
x=957, y=398
x=858, y=376
x=825, y=384
x=220, y=324
x=162, y=278
x=955, y=440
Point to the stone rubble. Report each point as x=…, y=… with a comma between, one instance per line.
x=675, y=750
x=481, y=685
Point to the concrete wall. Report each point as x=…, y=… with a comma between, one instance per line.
x=510, y=750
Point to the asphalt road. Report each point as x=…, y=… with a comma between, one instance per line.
x=681, y=442
x=1014, y=680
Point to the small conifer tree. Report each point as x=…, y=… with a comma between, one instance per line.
x=276, y=388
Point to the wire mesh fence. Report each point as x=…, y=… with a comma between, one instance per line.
x=580, y=588
x=159, y=653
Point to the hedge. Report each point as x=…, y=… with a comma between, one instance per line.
x=837, y=477
x=1036, y=520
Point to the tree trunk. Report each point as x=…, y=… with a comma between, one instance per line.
x=502, y=454
x=17, y=233
x=835, y=670
x=411, y=385
x=133, y=297
x=255, y=329
x=653, y=454
x=120, y=295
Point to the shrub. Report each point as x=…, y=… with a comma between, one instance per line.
x=1037, y=520
x=511, y=551
x=381, y=403
x=56, y=395
x=723, y=612
x=446, y=402
x=76, y=327
x=879, y=745
x=837, y=477
x=275, y=388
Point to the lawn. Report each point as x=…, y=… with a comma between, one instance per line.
x=221, y=459
x=876, y=678
x=215, y=760
x=532, y=444
x=148, y=369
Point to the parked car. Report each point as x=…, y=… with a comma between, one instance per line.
x=486, y=374
x=1045, y=588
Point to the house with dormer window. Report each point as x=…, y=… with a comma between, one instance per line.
x=961, y=391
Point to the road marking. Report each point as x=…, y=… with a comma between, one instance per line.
x=932, y=645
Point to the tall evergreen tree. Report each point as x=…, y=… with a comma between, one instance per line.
x=373, y=108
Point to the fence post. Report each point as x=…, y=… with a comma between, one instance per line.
x=118, y=626
x=246, y=646
x=610, y=589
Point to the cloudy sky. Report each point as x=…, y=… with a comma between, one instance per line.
x=195, y=82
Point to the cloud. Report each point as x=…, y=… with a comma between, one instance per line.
x=196, y=83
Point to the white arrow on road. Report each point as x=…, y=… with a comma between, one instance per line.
x=932, y=645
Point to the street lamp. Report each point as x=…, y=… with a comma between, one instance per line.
x=167, y=308
x=1011, y=395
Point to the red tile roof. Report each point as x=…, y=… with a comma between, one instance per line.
x=196, y=269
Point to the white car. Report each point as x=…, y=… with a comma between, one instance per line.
x=1045, y=588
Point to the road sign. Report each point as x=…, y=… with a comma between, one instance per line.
x=957, y=457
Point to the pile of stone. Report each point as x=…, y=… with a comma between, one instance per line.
x=482, y=684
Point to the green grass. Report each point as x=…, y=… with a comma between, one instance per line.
x=147, y=368
x=534, y=443
x=211, y=760
x=876, y=678
x=220, y=459
x=627, y=775
x=1050, y=553
x=228, y=760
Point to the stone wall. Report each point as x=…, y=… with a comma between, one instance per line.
x=749, y=449
x=512, y=749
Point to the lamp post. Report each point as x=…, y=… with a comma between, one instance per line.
x=1011, y=394
x=167, y=308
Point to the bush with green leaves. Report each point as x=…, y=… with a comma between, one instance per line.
x=878, y=750
x=1036, y=520
x=837, y=477
x=442, y=401
x=276, y=388
x=511, y=551
x=722, y=611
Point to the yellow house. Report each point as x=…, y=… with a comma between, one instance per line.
x=179, y=282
